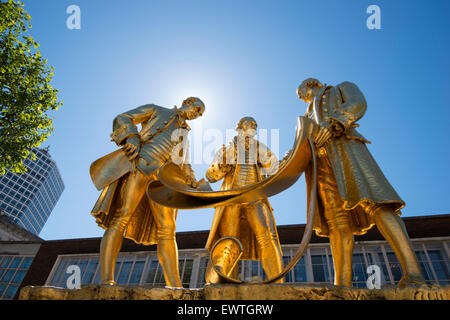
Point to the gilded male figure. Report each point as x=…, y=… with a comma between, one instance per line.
x=245, y=161
x=123, y=208
x=353, y=193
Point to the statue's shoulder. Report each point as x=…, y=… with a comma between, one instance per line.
x=152, y=108
x=351, y=90
x=347, y=84
x=164, y=110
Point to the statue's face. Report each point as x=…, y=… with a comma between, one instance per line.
x=306, y=93
x=192, y=111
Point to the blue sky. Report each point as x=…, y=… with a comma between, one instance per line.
x=247, y=58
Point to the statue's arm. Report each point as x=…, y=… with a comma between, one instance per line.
x=124, y=125
x=185, y=164
x=353, y=107
x=267, y=160
x=222, y=163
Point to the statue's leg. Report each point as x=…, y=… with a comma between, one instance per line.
x=338, y=221
x=132, y=191
x=109, y=249
x=167, y=246
x=260, y=219
x=394, y=231
x=228, y=227
x=342, y=243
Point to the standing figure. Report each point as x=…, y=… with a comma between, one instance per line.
x=353, y=193
x=123, y=208
x=245, y=161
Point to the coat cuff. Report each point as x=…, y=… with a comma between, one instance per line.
x=122, y=133
x=346, y=118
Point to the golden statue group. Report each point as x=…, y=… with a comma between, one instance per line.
x=143, y=186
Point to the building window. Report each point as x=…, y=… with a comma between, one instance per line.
x=154, y=273
x=91, y=269
x=185, y=267
x=251, y=270
x=433, y=263
x=424, y=266
x=316, y=266
x=440, y=266
x=299, y=272
x=359, y=275
x=394, y=266
x=155, y=276
x=130, y=270
x=138, y=269
x=12, y=271
x=124, y=270
x=320, y=268
x=202, y=271
x=286, y=260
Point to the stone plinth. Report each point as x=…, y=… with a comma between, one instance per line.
x=106, y=292
x=309, y=292
x=237, y=292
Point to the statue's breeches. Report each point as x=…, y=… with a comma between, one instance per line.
x=334, y=213
x=333, y=207
x=263, y=225
x=165, y=221
x=131, y=192
x=259, y=218
x=133, y=189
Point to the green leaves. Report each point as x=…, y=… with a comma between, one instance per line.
x=26, y=94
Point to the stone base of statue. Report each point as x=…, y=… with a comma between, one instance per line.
x=237, y=292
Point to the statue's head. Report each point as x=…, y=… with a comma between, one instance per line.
x=308, y=89
x=192, y=108
x=247, y=126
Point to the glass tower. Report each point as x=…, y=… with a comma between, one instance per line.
x=29, y=198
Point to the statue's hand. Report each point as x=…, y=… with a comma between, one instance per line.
x=322, y=136
x=189, y=174
x=337, y=129
x=193, y=183
x=132, y=147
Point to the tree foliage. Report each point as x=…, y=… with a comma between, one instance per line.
x=26, y=95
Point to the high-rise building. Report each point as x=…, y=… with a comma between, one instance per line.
x=27, y=199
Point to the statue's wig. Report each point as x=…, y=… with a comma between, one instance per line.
x=308, y=83
x=248, y=120
x=191, y=101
